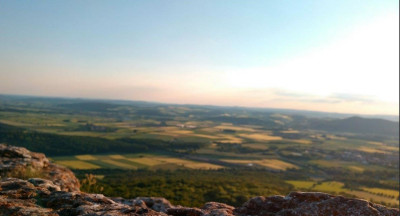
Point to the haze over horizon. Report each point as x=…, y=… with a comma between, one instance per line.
x=330, y=56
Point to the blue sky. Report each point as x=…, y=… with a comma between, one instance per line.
x=278, y=54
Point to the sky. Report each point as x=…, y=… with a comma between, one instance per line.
x=333, y=56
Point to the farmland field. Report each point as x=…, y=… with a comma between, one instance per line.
x=77, y=164
x=268, y=163
x=371, y=194
x=305, y=150
x=131, y=162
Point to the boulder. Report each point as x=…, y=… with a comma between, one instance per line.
x=312, y=203
x=20, y=162
x=42, y=197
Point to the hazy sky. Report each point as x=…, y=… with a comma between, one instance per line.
x=337, y=56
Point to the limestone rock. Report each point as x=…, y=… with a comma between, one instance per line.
x=20, y=162
x=21, y=197
x=312, y=203
x=209, y=209
x=42, y=197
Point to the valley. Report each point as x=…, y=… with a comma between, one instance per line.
x=118, y=140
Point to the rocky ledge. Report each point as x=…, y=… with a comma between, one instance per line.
x=56, y=192
x=18, y=161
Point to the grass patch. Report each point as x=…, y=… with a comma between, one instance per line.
x=268, y=163
x=302, y=184
x=384, y=192
x=235, y=128
x=77, y=164
x=119, y=164
x=374, y=198
x=116, y=156
x=85, y=157
x=149, y=161
x=330, y=187
x=370, y=150
x=261, y=137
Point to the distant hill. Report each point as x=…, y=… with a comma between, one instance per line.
x=356, y=125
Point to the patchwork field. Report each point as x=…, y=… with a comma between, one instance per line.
x=268, y=163
x=371, y=194
x=302, y=184
x=131, y=161
x=77, y=164
x=87, y=136
x=262, y=137
x=384, y=192
x=339, y=164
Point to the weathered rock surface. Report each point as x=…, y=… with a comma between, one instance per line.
x=59, y=195
x=311, y=203
x=209, y=209
x=158, y=204
x=18, y=161
x=42, y=197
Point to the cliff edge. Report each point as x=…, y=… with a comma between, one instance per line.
x=44, y=188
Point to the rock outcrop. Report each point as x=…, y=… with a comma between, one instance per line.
x=56, y=192
x=42, y=197
x=20, y=162
x=311, y=203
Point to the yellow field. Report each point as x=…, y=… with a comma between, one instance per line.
x=261, y=137
x=256, y=146
x=356, y=168
x=127, y=162
x=76, y=164
x=205, y=136
x=370, y=194
x=229, y=127
x=73, y=133
x=188, y=163
x=119, y=164
x=209, y=130
x=370, y=150
x=373, y=197
x=200, y=165
x=149, y=161
x=335, y=137
x=116, y=156
x=172, y=131
x=277, y=164
x=385, y=192
x=269, y=163
x=85, y=157
x=375, y=143
x=338, y=164
x=331, y=187
x=180, y=132
x=159, y=160
x=302, y=184
x=229, y=139
x=290, y=131
x=302, y=141
x=390, y=148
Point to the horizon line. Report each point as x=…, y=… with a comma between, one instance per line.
x=189, y=104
